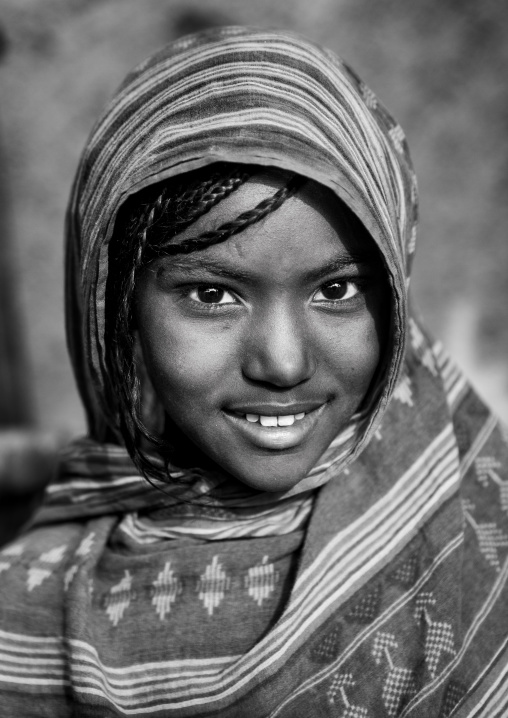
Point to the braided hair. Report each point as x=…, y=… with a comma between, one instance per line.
x=146, y=227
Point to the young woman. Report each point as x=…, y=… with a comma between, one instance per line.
x=290, y=503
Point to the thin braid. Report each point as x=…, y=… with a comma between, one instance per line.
x=174, y=213
x=214, y=195
x=125, y=389
x=244, y=220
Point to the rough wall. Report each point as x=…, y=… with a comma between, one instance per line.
x=439, y=65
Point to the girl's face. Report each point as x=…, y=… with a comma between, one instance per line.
x=263, y=347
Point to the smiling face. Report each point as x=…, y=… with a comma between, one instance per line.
x=262, y=348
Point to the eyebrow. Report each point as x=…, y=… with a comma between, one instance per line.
x=340, y=263
x=212, y=266
x=219, y=268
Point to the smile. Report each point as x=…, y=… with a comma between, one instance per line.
x=276, y=431
x=286, y=420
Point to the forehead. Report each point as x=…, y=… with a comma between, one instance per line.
x=309, y=230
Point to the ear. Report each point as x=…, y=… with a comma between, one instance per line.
x=152, y=410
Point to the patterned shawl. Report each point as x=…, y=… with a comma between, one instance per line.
x=380, y=593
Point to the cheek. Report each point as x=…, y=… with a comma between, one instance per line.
x=354, y=355
x=367, y=354
x=368, y=339
x=185, y=361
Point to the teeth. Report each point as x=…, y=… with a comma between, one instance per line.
x=268, y=420
x=287, y=420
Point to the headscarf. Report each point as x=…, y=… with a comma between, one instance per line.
x=251, y=97
x=397, y=604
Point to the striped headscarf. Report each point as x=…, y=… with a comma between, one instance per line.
x=382, y=594
x=242, y=96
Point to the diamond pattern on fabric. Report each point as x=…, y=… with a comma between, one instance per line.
x=398, y=689
x=355, y=712
x=486, y=472
x=368, y=96
x=367, y=608
x=119, y=598
x=54, y=555
x=36, y=576
x=453, y=694
x=489, y=535
x=423, y=601
x=260, y=581
x=212, y=585
x=382, y=643
x=399, y=686
x=85, y=545
x=44, y=566
x=81, y=552
x=166, y=589
x=483, y=466
x=403, y=391
x=416, y=336
x=327, y=650
x=398, y=137
x=439, y=640
x=69, y=575
x=406, y=573
x=341, y=680
x=439, y=636
x=15, y=549
x=337, y=688
x=503, y=493
x=490, y=539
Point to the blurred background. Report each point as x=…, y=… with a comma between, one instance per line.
x=440, y=66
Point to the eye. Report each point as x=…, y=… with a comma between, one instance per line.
x=336, y=291
x=208, y=294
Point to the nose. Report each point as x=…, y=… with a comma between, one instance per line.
x=277, y=350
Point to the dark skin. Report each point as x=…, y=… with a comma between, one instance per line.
x=263, y=347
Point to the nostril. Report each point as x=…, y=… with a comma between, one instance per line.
x=277, y=351
x=268, y=369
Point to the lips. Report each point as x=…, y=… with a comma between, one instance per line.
x=275, y=409
x=276, y=427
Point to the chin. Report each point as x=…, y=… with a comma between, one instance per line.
x=270, y=481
